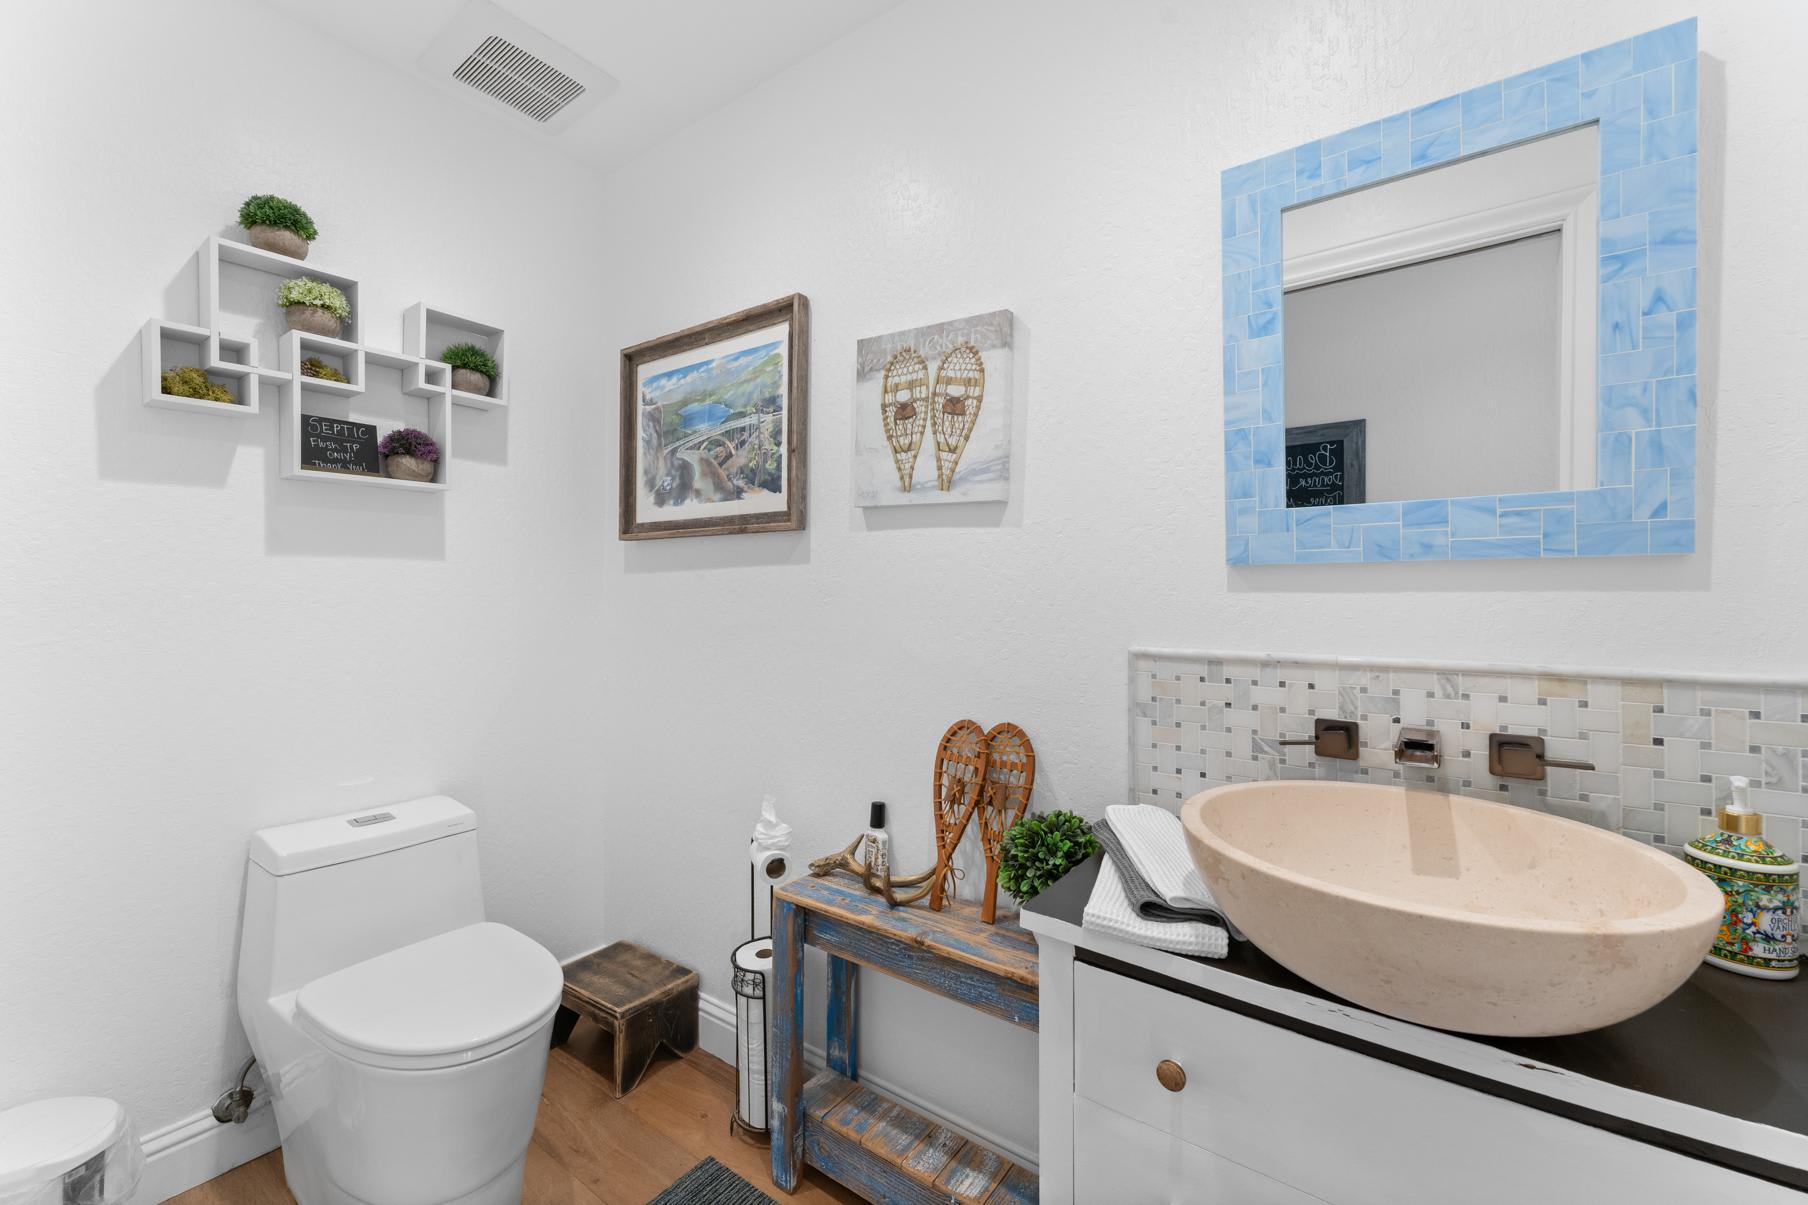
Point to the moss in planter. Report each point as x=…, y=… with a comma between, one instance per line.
x=315, y=367
x=192, y=382
x=471, y=357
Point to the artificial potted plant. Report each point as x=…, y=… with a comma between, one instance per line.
x=320, y=370
x=473, y=369
x=1039, y=849
x=409, y=454
x=313, y=306
x=277, y=224
x=192, y=382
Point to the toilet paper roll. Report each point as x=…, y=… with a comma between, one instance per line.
x=750, y=1036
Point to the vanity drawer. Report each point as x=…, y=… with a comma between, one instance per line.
x=1342, y=1126
x=1124, y=1162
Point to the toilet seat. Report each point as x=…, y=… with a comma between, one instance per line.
x=443, y=1002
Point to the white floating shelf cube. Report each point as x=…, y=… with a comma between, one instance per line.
x=348, y=358
x=426, y=332
x=223, y=259
x=420, y=383
x=166, y=345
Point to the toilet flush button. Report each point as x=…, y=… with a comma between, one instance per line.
x=373, y=818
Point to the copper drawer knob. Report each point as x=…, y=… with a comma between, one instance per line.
x=1171, y=1074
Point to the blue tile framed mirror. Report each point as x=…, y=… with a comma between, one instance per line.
x=1500, y=287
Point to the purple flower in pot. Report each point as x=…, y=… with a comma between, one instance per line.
x=409, y=454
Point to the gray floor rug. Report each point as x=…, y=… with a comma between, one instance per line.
x=709, y=1183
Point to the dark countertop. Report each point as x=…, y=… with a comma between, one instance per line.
x=1725, y=1042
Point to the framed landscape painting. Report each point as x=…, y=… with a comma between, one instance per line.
x=713, y=426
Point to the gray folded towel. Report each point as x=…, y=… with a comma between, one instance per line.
x=1143, y=898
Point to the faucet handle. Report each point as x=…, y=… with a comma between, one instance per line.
x=1338, y=739
x=1513, y=756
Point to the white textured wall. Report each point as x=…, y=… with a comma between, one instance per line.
x=191, y=648
x=1062, y=159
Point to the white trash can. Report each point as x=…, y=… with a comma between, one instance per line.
x=74, y=1150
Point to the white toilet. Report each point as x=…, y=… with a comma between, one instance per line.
x=403, y=1037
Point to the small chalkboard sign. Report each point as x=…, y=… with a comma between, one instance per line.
x=336, y=445
x=1326, y=463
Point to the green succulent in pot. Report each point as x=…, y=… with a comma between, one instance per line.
x=1039, y=849
x=277, y=224
x=313, y=306
x=474, y=370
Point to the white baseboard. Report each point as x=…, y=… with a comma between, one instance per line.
x=198, y=1148
x=716, y=1035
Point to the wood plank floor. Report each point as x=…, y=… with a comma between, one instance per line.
x=591, y=1149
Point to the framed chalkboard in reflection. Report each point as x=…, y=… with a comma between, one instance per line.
x=1326, y=462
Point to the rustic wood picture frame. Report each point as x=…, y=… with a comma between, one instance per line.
x=794, y=310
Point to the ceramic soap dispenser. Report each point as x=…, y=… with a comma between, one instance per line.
x=1763, y=891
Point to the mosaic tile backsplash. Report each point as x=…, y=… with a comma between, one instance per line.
x=1664, y=751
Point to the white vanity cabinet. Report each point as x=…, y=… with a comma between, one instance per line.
x=1267, y=1115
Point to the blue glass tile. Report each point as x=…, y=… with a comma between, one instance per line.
x=1438, y=115
x=1332, y=174
x=1427, y=544
x=1266, y=353
x=1682, y=493
x=1545, y=498
x=1563, y=99
x=1272, y=522
x=1243, y=253
x=1483, y=138
x=1363, y=163
x=1239, y=455
x=1249, y=382
x=1651, y=494
x=1641, y=365
x=1433, y=512
x=1312, y=527
x=1271, y=489
x=1242, y=409
x=1236, y=295
x=1619, y=316
x=1366, y=512
x=1271, y=550
x=1271, y=200
x=1521, y=101
x=1236, y=550
x=1620, y=142
x=1685, y=87
x=1657, y=94
x=1244, y=207
x=1268, y=446
x=1673, y=239
x=1482, y=106
x=1381, y=542
x=1278, y=168
x=1613, y=539
x=1550, y=71
x=1607, y=64
x=1610, y=197
x=1227, y=220
x=1245, y=177
x=1268, y=238
x=1240, y=517
x=1668, y=293
x=1264, y=324
x=1613, y=459
x=1328, y=556
x=1607, y=505
x=1559, y=531
x=1265, y=276
x=1307, y=161
x=1665, y=448
x=1307, y=192
x=1685, y=341
x=1230, y=372
x=1273, y=402
x=1623, y=234
x=1596, y=103
x=1435, y=148
x=1625, y=407
x=1676, y=402
x=1521, y=522
x=1663, y=185
x=1396, y=144
x=1360, y=135
x=1240, y=485
x=1623, y=264
x=1661, y=47
x=1628, y=96
x=1471, y=517
x=1673, y=535
x=1670, y=137
x=1495, y=549
x=1265, y=299
x=1659, y=330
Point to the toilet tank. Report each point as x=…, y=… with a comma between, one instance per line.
x=324, y=894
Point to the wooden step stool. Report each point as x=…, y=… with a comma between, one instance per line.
x=643, y=1000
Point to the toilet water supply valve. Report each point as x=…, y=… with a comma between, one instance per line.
x=234, y=1105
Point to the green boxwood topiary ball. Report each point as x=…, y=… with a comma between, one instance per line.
x=1039, y=849
x=470, y=357
x=267, y=210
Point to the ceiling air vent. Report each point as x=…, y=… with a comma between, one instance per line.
x=518, y=78
x=511, y=63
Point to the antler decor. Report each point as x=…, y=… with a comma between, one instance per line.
x=846, y=860
x=960, y=772
x=1010, y=776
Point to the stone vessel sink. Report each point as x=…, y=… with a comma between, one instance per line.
x=1453, y=912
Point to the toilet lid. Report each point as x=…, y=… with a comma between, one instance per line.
x=448, y=1000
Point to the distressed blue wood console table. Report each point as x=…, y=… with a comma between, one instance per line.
x=879, y=1148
